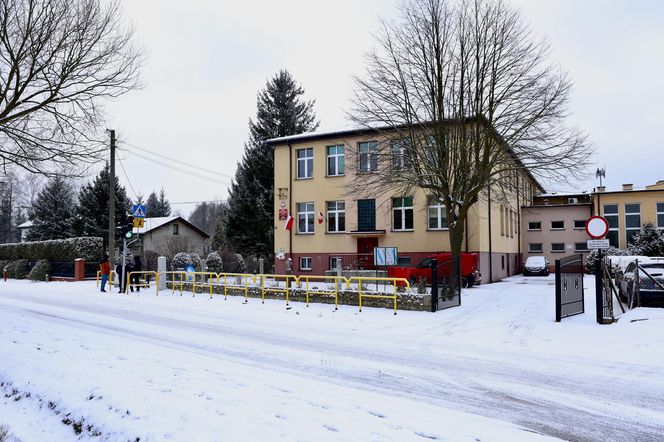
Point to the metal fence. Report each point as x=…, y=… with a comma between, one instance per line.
x=569, y=287
x=445, y=284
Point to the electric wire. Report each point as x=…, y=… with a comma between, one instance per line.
x=127, y=176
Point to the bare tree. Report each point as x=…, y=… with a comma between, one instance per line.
x=58, y=60
x=461, y=96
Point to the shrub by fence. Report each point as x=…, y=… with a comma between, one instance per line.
x=69, y=249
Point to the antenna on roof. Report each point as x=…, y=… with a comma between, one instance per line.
x=600, y=173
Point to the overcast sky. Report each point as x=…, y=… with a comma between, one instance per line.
x=208, y=58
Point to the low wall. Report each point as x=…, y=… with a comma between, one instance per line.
x=405, y=301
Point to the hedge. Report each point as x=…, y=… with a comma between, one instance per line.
x=57, y=250
x=40, y=270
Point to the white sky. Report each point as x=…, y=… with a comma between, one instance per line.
x=207, y=59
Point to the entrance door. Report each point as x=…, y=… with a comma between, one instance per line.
x=365, y=249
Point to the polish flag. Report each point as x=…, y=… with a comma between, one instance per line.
x=289, y=222
x=321, y=218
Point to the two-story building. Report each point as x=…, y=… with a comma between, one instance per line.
x=312, y=176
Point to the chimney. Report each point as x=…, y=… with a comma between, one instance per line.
x=628, y=186
x=601, y=188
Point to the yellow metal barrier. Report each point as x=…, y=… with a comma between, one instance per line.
x=146, y=284
x=206, y=280
x=110, y=278
x=287, y=279
x=243, y=278
x=361, y=279
x=181, y=279
x=337, y=281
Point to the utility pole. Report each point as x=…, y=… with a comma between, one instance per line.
x=111, y=204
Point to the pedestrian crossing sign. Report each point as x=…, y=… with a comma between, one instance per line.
x=138, y=211
x=139, y=223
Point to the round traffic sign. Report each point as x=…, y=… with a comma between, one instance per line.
x=597, y=227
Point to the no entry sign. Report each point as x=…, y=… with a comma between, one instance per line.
x=597, y=227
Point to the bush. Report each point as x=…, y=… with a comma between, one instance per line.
x=196, y=261
x=61, y=250
x=17, y=269
x=421, y=285
x=40, y=270
x=233, y=262
x=214, y=263
x=591, y=259
x=180, y=261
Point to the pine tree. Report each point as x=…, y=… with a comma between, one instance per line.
x=164, y=205
x=207, y=215
x=157, y=206
x=649, y=241
x=53, y=213
x=281, y=112
x=139, y=200
x=92, y=218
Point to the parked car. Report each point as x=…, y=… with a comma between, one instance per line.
x=536, y=265
x=470, y=274
x=648, y=289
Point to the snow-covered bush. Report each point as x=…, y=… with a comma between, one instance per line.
x=40, y=270
x=649, y=241
x=180, y=261
x=591, y=259
x=17, y=269
x=214, y=263
x=196, y=261
x=69, y=249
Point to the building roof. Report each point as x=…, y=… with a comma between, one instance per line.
x=25, y=225
x=159, y=222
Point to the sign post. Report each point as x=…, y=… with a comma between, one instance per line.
x=597, y=227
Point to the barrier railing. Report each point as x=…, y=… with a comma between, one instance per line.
x=206, y=280
x=142, y=284
x=180, y=280
x=241, y=278
x=362, y=279
x=276, y=288
x=337, y=282
x=110, y=278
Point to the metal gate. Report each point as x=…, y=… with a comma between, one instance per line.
x=445, y=284
x=569, y=286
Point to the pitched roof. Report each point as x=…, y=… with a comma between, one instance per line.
x=159, y=222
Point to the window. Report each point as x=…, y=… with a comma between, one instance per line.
x=660, y=215
x=399, y=155
x=535, y=247
x=557, y=225
x=336, y=160
x=502, y=221
x=335, y=262
x=502, y=262
x=437, y=214
x=305, y=217
x=403, y=261
x=336, y=216
x=368, y=156
x=176, y=229
x=305, y=163
x=558, y=247
x=511, y=223
x=305, y=263
x=632, y=220
x=402, y=213
x=366, y=215
x=611, y=215
x=535, y=225
x=579, y=224
x=580, y=247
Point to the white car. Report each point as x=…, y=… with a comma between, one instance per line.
x=536, y=265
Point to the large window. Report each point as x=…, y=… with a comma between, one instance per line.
x=437, y=215
x=305, y=163
x=400, y=158
x=336, y=160
x=336, y=216
x=632, y=220
x=611, y=215
x=660, y=215
x=402, y=213
x=366, y=215
x=305, y=217
x=368, y=156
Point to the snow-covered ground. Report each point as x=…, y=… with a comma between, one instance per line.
x=122, y=367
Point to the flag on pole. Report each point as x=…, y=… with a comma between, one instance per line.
x=321, y=218
x=289, y=222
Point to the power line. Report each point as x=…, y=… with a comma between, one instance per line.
x=127, y=176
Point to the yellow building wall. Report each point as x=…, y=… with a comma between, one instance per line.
x=648, y=200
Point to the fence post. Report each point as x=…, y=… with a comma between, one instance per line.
x=161, y=267
x=599, y=288
x=559, y=295
x=434, y=285
x=79, y=269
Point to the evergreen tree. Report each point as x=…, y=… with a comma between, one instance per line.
x=157, y=206
x=281, y=112
x=218, y=235
x=6, y=210
x=649, y=241
x=53, y=213
x=139, y=200
x=93, y=209
x=164, y=205
x=206, y=215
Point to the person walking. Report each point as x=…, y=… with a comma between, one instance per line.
x=105, y=270
x=138, y=266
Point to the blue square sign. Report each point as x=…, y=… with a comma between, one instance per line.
x=138, y=211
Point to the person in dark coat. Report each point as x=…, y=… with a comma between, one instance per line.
x=118, y=270
x=137, y=267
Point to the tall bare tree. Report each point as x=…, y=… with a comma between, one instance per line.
x=58, y=60
x=461, y=96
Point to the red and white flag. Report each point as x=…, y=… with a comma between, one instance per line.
x=289, y=223
x=321, y=218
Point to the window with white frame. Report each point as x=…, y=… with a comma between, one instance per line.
x=305, y=217
x=400, y=159
x=557, y=225
x=579, y=224
x=335, y=262
x=305, y=262
x=535, y=247
x=368, y=156
x=535, y=225
x=336, y=216
x=580, y=247
x=558, y=247
x=632, y=220
x=611, y=215
x=305, y=163
x=437, y=214
x=660, y=215
x=336, y=160
x=402, y=213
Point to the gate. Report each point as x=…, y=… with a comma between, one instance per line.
x=569, y=286
x=445, y=284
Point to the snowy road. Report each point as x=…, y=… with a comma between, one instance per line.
x=199, y=369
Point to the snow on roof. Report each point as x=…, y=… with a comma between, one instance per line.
x=317, y=134
x=155, y=223
x=25, y=225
